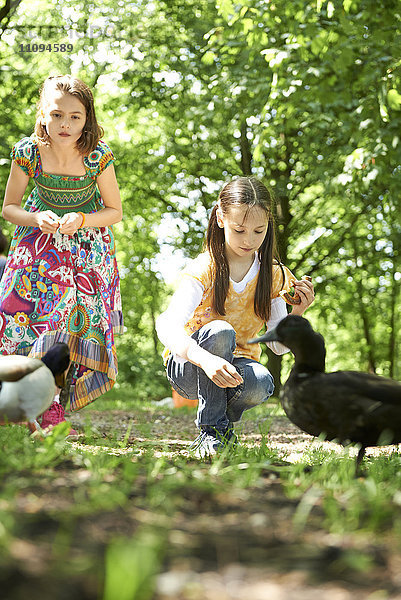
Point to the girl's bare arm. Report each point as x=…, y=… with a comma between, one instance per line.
x=47, y=221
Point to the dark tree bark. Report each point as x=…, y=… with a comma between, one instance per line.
x=364, y=315
x=283, y=217
x=246, y=154
x=6, y=12
x=392, y=342
x=155, y=338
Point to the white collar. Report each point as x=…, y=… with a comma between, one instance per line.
x=239, y=286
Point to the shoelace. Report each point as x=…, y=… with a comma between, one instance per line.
x=203, y=437
x=198, y=441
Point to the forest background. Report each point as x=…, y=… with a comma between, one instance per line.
x=304, y=95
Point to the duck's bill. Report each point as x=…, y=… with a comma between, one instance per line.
x=60, y=380
x=269, y=336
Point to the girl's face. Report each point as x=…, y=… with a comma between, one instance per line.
x=65, y=117
x=244, y=229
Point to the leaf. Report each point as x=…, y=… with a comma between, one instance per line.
x=394, y=99
x=382, y=105
x=317, y=45
x=258, y=153
x=330, y=9
x=225, y=8
x=269, y=53
x=247, y=24
x=208, y=58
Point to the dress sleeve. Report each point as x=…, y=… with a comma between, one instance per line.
x=99, y=159
x=24, y=153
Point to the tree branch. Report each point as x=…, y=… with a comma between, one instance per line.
x=6, y=12
x=329, y=253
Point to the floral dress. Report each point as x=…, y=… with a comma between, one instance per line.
x=61, y=288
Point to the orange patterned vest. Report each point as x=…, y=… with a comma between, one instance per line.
x=239, y=306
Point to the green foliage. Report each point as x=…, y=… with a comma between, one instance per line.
x=304, y=95
x=369, y=503
x=131, y=566
x=33, y=453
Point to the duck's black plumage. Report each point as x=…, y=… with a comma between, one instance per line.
x=346, y=406
x=57, y=359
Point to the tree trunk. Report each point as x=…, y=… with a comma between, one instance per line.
x=282, y=217
x=155, y=338
x=364, y=315
x=391, y=345
x=246, y=154
x=366, y=331
x=6, y=12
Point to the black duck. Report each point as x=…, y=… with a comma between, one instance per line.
x=345, y=406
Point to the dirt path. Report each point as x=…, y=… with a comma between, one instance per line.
x=175, y=431
x=242, y=545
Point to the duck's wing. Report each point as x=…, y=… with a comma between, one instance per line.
x=373, y=387
x=344, y=405
x=15, y=367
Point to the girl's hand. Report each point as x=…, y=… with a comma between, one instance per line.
x=305, y=291
x=70, y=223
x=220, y=371
x=47, y=221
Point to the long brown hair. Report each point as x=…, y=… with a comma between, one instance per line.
x=75, y=87
x=249, y=192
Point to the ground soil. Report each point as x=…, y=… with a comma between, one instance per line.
x=237, y=544
x=242, y=545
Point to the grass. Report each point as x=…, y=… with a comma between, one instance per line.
x=369, y=504
x=111, y=513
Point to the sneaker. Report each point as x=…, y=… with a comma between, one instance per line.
x=209, y=442
x=206, y=444
x=53, y=416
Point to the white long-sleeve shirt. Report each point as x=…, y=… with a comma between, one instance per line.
x=170, y=325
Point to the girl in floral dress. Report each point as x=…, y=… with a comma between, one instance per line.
x=225, y=297
x=61, y=281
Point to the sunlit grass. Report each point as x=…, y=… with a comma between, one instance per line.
x=370, y=502
x=152, y=480
x=131, y=565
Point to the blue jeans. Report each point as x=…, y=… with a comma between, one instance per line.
x=218, y=406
